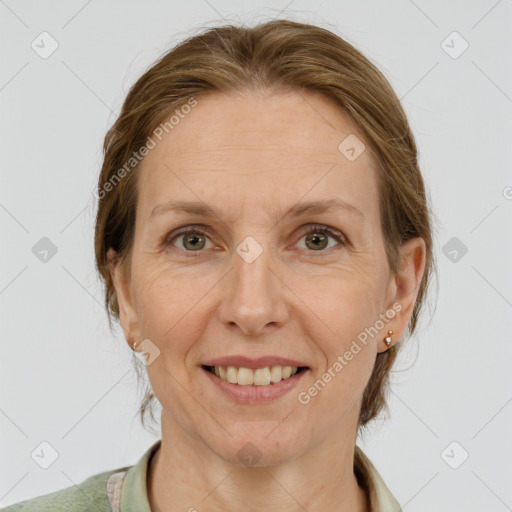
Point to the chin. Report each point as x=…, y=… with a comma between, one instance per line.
x=259, y=444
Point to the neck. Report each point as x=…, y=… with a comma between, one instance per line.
x=185, y=475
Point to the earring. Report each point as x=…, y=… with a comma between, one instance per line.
x=134, y=345
x=387, y=339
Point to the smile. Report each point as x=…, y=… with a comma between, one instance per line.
x=265, y=376
x=254, y=386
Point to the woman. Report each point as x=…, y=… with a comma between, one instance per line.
x=265, y=240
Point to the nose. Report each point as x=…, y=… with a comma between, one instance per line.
x=252, y=300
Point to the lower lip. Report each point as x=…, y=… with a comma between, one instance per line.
x=255, y=394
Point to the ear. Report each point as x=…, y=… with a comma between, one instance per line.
x=121, y=279
x=405, y=287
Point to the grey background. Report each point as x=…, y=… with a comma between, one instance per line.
x=66, y=380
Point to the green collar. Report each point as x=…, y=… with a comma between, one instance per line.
x=134, y=497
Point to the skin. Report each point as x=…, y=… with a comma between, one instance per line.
x=254, y=155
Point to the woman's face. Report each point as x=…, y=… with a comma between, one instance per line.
x=250, y=282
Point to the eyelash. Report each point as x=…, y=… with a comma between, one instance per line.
x=316, y=228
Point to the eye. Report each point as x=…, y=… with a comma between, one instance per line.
x=317, y=238
x=193, y=239
x=190, y=239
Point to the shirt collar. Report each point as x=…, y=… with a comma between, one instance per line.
x=134, y=496
x=369, y=478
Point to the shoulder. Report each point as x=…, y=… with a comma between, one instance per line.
x=89, y=496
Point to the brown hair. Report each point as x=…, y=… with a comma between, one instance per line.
x=279, y=55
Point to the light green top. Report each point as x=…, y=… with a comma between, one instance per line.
x=124, y=490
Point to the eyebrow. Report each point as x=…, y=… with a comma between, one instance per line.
x=305, y=208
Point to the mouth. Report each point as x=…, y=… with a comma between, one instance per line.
x=252, y=386
x=256, y=377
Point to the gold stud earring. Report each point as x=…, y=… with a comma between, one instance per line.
x=387, y=339
x=134, y=345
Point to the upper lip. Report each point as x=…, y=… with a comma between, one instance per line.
x=254, y=363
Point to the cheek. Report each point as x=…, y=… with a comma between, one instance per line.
x=348, y=301
x=171, y=308
x=160, y=292
x=349, y=306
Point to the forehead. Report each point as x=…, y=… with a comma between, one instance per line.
x=257, y=149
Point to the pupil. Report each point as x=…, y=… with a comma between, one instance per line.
x=318, y=239
x=194, y=237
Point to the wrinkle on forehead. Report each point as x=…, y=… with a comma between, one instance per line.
x=281, y=145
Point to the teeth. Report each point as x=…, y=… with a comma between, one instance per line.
x=276, y=373
x=232, y=375
x=262, y=376
x=259, y=377
x=245, y=376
